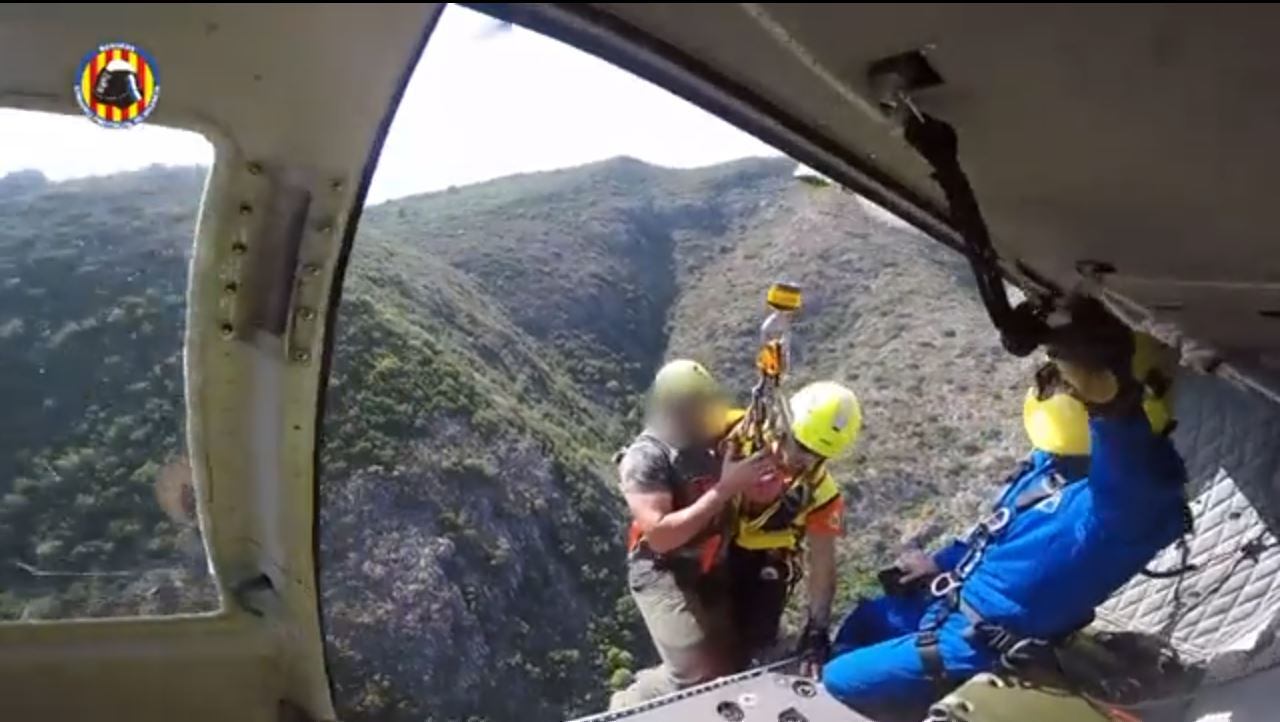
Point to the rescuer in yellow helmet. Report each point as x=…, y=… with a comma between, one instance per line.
x=795, y=512
x=679, y=491
x=1099, y=496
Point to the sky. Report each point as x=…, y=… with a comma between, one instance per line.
x=486, y=100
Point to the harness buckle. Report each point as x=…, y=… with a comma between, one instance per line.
x=931, y=660
x=944, y=584
x=997, y=520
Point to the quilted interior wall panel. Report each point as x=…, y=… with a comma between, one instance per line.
x=1224, y=612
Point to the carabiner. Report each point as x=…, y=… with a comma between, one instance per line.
x=997, y=520
x=943, y=584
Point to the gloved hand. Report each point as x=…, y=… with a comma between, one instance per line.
x=1093, y=354
x=916, y=565
x=813, y=650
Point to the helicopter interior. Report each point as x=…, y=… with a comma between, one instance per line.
x=1119, y=151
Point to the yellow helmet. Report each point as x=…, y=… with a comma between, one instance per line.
x=683, y=379
x=825, y=418
x=1058, y=423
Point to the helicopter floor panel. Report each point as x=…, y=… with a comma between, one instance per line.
x=761, y=695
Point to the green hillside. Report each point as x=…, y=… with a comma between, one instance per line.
x=493, y=346
x=586, y=260
x=465, y=505
x=92, y=283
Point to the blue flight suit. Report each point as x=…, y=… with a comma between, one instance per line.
x=1040, y=576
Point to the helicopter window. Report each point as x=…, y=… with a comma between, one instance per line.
x=97, y=514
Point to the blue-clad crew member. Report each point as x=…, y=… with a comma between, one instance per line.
x=1100, y=495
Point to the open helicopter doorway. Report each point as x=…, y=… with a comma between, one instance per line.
x=497, y=336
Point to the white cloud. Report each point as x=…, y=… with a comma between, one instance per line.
x=486, y=100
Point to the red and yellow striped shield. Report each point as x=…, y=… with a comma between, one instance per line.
x=128, y=91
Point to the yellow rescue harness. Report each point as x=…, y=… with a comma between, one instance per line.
x=781, y=524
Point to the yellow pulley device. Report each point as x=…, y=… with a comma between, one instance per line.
x=784, y=297
x=768, y=414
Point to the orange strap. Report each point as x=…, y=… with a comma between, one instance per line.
x=1120, y=715
x=708, y=549
x=634, y=535
x=709, y=554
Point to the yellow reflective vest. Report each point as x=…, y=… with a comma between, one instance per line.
x=781, y=525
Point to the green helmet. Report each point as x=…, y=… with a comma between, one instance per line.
x=683, y=379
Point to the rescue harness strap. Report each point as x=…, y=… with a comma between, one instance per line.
x=759, y=428
x=931, y=659
x=1011, y=646
x=786, y=509
x=1184, y=565
x=1021, y=329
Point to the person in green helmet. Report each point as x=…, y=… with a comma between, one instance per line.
x=679, y=490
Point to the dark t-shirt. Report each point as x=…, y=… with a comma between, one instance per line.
x=645, y=467
x=650, y=465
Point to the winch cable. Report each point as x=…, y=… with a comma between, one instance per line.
x=1023, y=328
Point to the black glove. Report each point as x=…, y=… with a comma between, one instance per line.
x=1094, y=339
x=1093, y=354
x=813, y=650
x=890, y=579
